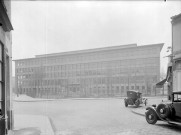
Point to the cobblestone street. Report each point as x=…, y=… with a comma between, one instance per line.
x=94, y=117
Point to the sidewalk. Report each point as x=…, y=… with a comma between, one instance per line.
x=141, y=110
x=25, y=131
x=31, y=125
x=25, y=98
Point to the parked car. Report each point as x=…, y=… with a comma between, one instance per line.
x=134, y=98
x=169, y=112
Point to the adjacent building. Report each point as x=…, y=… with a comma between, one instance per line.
x=6, y=120
x=176, y=52
x=100, y=72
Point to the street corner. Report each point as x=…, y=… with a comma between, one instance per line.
x=27, y=131
x=139, y=111
x=33, y=125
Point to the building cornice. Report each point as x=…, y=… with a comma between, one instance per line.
x=129, y=46
x=4, y=19
x=112, y=48
x=176, y=18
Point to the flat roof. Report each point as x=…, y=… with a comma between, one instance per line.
x=89, y=50
x=129, y=46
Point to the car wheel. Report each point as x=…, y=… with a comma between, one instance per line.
x=151, y=117
x=137, y=103
x=163, y=111
x=126, y=104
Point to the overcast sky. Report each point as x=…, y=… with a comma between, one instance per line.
x=42, y=27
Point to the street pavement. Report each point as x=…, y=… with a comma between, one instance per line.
x=31, y=125
x=26, y=131
x=88, y=117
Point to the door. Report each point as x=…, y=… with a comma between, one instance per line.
x=177, y=104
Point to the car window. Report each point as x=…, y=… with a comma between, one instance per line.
x=177, y=97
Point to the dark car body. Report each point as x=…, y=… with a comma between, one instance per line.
x=134, y=98
x=169, y=112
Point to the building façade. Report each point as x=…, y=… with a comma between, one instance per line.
x=100, y=72
x=176, y=52
x=6, y=109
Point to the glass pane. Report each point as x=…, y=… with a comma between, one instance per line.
x=179, y=97
x=175, y=97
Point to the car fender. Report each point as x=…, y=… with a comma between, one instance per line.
x=158, y=117
x=153, y=109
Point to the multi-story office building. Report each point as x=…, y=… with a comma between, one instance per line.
x=101, y=72
x=5, y=67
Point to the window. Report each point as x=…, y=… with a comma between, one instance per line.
x=117, y=89
x=177, y=97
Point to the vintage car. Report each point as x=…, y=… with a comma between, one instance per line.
x=169, y=112
x=134, y=98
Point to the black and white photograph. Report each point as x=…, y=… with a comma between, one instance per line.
x=90, y=67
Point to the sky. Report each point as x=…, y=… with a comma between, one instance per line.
x=42, y=27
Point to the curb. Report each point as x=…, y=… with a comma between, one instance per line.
x=34, y=121
x=32, y=100
x=41, y=100
x=135, y=112
x=52, y=125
